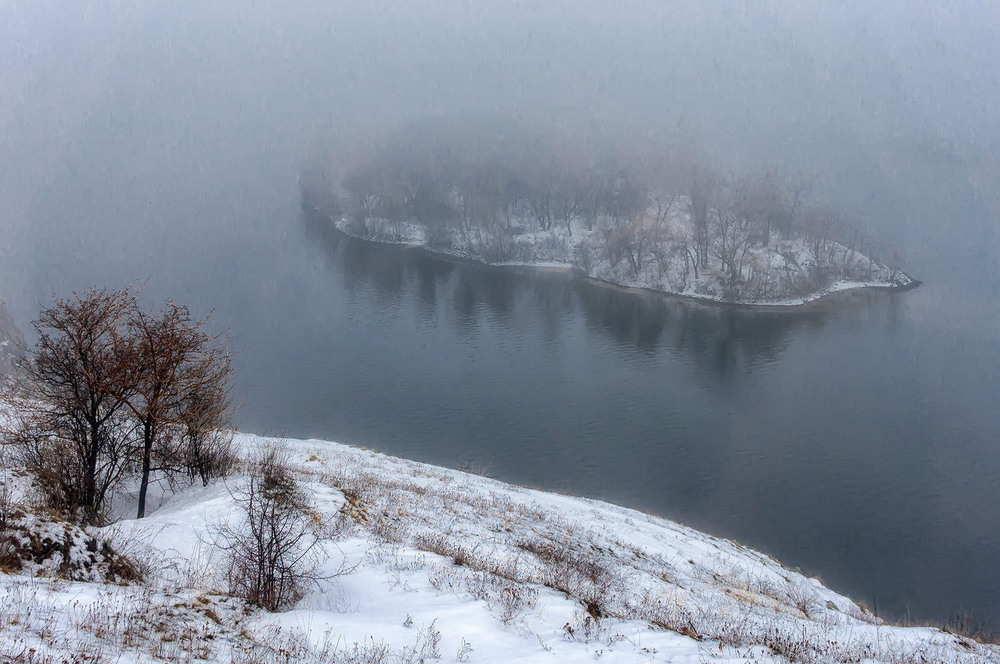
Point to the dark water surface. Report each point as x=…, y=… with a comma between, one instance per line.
x=856, y=439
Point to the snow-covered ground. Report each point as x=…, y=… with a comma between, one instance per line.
x=787, y=272
x=440, y=565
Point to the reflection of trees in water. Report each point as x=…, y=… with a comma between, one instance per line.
x=479, y=288
x=630, y=319
x=387, y=271
x=721, y=339
x=554, y=296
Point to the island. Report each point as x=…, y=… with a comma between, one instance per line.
x=652, y=217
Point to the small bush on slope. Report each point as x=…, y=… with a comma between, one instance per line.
x=272, y=552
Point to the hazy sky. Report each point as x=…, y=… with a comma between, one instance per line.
x=121, y=123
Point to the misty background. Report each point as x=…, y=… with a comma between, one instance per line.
x=154, y=133
x=166, y=140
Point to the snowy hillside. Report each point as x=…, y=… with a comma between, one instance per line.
x=428, y=564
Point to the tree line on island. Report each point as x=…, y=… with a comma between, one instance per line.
x=655, y=216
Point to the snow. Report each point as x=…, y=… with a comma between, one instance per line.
x=445, y=565
x=780, y=274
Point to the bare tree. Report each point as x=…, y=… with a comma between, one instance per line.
x=667, y=247
x=589, y=192
x=73, y=433
x=703, y=182
x=732, y=233
x=110, y=389
x=639, y=243
x=363, y=198
x=206, y=450
x=568, y=202
x=273, y=553
x=819, y=225
x=541, y=195
x=895, y=262
x=798, y=191
x=173, y=365
x=664, y=203
x=625, y=198
x=764, y=204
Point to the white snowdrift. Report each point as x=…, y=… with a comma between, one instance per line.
x=455, y=567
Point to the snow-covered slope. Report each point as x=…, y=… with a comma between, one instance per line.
x=444, y=565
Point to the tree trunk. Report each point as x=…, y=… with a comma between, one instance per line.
x=147, y=453
x=90, y=473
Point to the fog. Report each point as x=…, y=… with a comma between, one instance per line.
x=127, y=125
x=163, y=142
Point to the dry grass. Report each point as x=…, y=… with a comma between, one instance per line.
x=484, y=541
x=519, y=545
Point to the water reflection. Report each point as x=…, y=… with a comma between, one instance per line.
x=726, y=340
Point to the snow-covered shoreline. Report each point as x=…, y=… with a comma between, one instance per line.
x=568, y=244
x=451, y=566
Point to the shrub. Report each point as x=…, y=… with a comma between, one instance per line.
x=206, y=448
x=965, y=624
x=272, y=553
x=496, y=244
x=802, y=597
x=439, y=235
